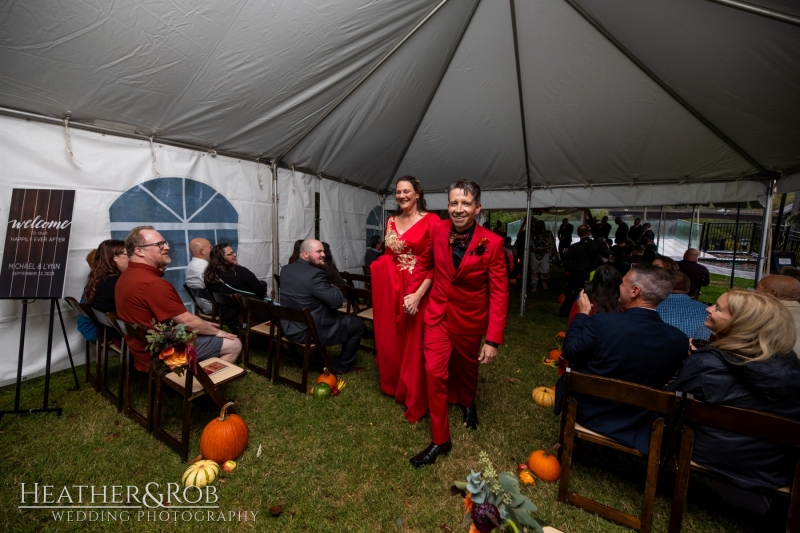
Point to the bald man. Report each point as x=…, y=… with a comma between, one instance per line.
x=698, y=274
x=199, y=248
x=787, y=290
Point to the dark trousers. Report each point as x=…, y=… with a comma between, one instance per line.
x=355, y=330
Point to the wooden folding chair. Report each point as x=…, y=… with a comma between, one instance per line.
x=746, y=422
x=665, y=403
x=310, y=343
x=145, y=418
x=191, y=386
x=195, y=294
x=252, y=306
x=366, y=270
x=92, y=378
x=105, y=330
x=361, y=306
x=222, y=300
x=351, y=279
x=346, y=305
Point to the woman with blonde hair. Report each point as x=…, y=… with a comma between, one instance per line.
x=747, y=363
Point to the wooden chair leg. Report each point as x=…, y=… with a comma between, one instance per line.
x=306, y=362
x=187, y=423
x=681, y=481
x=793, y=522
x=651, y=481
x=567, y=445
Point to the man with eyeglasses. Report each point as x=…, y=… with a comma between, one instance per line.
x=142, y=294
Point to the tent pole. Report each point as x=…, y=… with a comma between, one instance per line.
x=777, y=235
x=735, y=240
x=691, y=227
x=758, y=10
x=526, y=256
x=660, y=228
x=644, y=216
x=275, y=245
x=765, y=227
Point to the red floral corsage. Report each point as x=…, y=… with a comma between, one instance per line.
x=481, y=247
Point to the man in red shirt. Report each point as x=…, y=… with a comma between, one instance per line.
x=142, y=295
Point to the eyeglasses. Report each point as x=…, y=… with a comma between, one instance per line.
x=232, y=254
x=161, y=245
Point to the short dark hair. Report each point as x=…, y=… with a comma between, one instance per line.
x=507, y=240
x=374, y=241
x=468, y=187
x=583, y=230
x=655, y=283
x=680, y=281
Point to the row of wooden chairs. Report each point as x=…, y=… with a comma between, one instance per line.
x=189, y=387
x=671, y=444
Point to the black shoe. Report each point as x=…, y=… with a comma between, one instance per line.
x=470, y=417
x=428, y=455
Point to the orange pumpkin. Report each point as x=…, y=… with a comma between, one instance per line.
x=224, y=438
x=554, y=355
x=545, y=465
x=327, y=377
x=561, y=299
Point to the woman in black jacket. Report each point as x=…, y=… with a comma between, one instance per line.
x=748, y=363
x=224, y=274
x=110, y=261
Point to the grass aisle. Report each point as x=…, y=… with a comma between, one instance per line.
x=334, y=465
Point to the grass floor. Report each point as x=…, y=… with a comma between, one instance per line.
x=334, y=465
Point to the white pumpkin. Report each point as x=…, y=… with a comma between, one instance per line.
x=200, y=474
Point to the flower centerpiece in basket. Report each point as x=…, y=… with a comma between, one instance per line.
x=493, y=502
x=172, y=344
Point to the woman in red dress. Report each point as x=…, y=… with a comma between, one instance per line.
x=398, y=335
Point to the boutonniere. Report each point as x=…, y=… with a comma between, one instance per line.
x=481, y=247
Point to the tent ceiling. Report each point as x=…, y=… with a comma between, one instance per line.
x=366, y=90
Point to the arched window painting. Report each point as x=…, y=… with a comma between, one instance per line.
x=375, y=223
x=180, y=209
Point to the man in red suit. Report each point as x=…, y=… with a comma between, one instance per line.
x=468, y=300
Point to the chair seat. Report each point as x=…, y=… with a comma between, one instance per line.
x=230, y=372
x=343, y=309
x=599, y=438
x=114, y=348
x=261, y=329
x=366, y=314
x=787, y=490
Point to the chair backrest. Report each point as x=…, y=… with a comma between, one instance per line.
x=254, y=305
x=620, y=391
x=281, y=312
x=78, y=307
x=134, y=331
x=355, y=295
x=366, y=270
x=277, y=279
x=353, y=278
x=745, y=421
x=102, y=319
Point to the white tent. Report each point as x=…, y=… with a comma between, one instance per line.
x=582, y=102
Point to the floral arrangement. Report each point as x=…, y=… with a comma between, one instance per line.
x=494, y=502
x=173, y=345
x=481, y=248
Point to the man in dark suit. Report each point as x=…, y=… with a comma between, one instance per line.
x=648, y=233
x=304, y=283
x=634, y=346
x=374, y=251
x=636, y=231
x=564, y=234
x=604, y=229
x=621, y=235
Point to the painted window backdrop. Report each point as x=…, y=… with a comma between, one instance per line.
x=375, y=223
x=181, y=209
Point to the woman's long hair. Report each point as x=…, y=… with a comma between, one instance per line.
x=760, y=327
x=104, y=265
x=217, y=265
x=422, y=207
x=605, y=289
x=296, y=252
x=329, y=256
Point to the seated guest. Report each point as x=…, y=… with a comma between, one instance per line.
x=787, y=291
x=635, y=346
x=330, y=266
x=603, y=292
x=681, y=311
x=305, y=284
x=143, y=295
x=636, y=254
x=295, y=251
x=748, y=363
x=86, y=325
x=665, y=262
x=224, y=274
x=196, y=269
x=374, y=251
x=698, y=274
x=110, y=261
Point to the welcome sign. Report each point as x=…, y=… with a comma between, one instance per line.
x=37, y=243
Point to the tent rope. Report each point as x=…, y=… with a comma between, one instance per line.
x=153, y=151
x=69, y=140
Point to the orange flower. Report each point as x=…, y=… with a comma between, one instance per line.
x=166, y=352
x=468, y=503
x=473, y=529
x=175, y=360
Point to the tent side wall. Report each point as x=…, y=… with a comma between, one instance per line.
x=35, y=155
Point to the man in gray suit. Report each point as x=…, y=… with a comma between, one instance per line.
x=304, y=283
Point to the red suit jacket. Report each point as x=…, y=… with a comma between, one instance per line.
x=473, y=300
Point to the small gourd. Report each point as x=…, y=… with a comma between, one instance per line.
x=545, y=465
x=526, y=478
x=200, y=474
x=327, y=377
x=554, y=355
x=544, y=396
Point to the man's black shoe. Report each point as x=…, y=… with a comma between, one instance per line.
x=428, y=455
x=470, y=416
